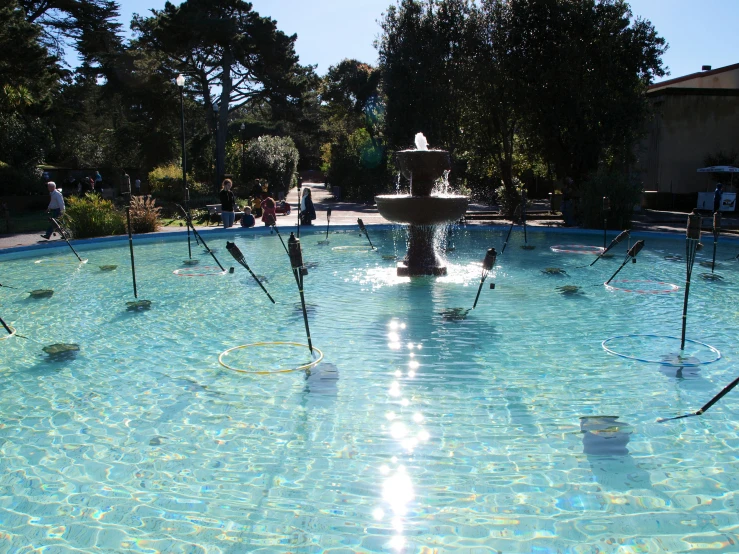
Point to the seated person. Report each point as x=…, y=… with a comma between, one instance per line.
x=247, y=220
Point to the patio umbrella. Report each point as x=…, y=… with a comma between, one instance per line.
x=721, y=169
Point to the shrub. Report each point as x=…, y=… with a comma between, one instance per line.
x=358, y=166
x=274, y=159
x=144, y=215
x=509, y=201
x=165, y=182
x=92, y=216
x=623, y=192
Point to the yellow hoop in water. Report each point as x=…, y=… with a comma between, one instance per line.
x=304, y=367
x=12, y=332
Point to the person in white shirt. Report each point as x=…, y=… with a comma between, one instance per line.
x=56, y=207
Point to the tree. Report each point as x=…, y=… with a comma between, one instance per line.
x=234, y=57
x=28, y=73
x=587, y=59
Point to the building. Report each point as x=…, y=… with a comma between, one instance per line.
x=694, y=116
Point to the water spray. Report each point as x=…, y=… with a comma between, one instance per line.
x=487, y=265
x=606, y=209
x=630, y=255
x=692, y=239
x=621, y=236
x=708, y=404
x=328, y=222
x=239, y=257
x=363, y=229
x=198, y=237
x=299, y=271
x=64, y=236
x=716, y=231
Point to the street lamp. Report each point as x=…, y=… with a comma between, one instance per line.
x=243, y=159
x=181, y=85
x=215, y=128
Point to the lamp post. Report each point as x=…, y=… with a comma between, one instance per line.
x=181, y=85
x=215, y=129
x=243, y=159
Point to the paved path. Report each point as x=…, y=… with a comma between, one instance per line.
x=346, y=213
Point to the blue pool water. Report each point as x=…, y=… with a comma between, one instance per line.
x=418, y=432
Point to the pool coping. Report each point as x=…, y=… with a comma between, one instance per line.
x=160, y=235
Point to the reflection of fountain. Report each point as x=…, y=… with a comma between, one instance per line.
x=420, y=209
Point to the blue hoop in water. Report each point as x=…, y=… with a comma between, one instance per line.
x=678, y=362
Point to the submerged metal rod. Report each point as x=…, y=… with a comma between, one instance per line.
x=507, y=237
x=197, y=236
x=239, y=257
x=10, y=332
x=64, y=236
x=274, y=226
x=130, y=246
x=691, y=246
x=708, y=404
x=299, y=280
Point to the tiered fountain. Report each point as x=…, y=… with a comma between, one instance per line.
x=421, y=209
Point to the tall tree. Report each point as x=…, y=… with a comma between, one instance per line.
x=233, y=57
x=422, y=54
x=582, y=68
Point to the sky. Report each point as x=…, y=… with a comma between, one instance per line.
x=698, y=32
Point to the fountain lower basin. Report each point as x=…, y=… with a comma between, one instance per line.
x=421, y=210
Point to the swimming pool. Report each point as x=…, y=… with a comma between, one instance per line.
x=422, y=430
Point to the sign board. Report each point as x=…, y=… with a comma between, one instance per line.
x=728, y=201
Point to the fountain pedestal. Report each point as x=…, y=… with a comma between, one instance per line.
x=421, y=210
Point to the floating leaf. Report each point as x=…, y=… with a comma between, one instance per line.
x=108, y=267
x=554, y=271
x=137, y=305
x=455, y=314
x=41, y=293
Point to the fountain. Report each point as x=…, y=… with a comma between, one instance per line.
x=421, y=209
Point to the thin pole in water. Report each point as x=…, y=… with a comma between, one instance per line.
x=130, y=245
x=710, y=403
x=64, y=236
x=693, y=235
x=198, y=237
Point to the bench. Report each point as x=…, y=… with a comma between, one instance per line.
x=214, y=213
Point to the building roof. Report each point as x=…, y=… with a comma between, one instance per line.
x=697, y=75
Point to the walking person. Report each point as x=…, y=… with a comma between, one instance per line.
x=228, y=200
x=137, y=184
x=126, y=185
x=307, y=210
x=98, y=183
x=717, y=195
x=56, y=207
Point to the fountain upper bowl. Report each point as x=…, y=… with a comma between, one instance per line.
x=421, y=210
x=423, y=168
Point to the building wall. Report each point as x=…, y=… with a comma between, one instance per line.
x=688, y=124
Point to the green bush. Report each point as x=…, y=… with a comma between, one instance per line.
x=623, y=192
x=144, y=215
x=358, y=166
x=509, y=201
x=165, y=182
x=92, y=216
x=274, y=159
